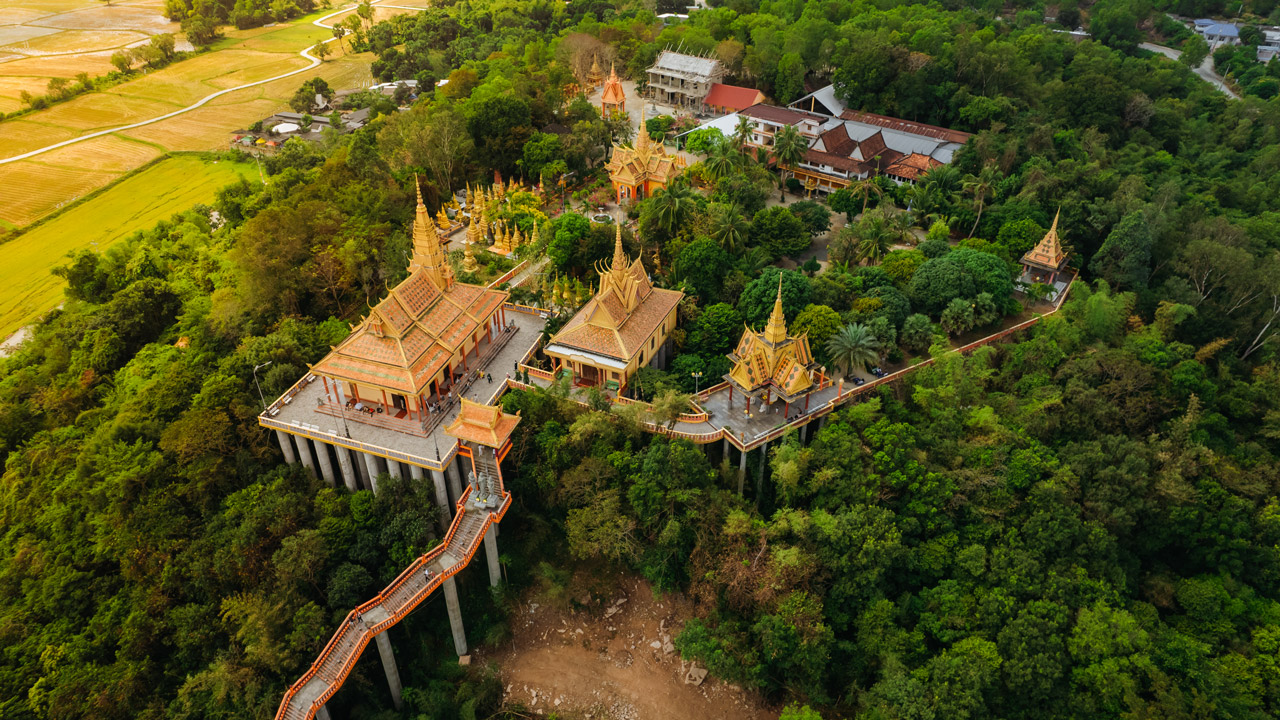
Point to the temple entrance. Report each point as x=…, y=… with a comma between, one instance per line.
x=589, y=376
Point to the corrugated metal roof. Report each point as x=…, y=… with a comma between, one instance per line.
x=673, y=62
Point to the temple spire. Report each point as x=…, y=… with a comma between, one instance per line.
x=775, y=332
x=619, y=255
x=427, y=254
x=642, y=137
x=1048, y=252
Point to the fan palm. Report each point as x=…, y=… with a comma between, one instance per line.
x=851, y=346
x=981, y=187
x=673, y=205
x=728, y=228
x=788, y=150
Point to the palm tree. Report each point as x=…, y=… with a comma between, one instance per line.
x=866, y=188
x=728, y=228
x=788, y=150
x=723, y=160
x=742, y=132
x=674, y=204
x=981, y=186
x=851, y=346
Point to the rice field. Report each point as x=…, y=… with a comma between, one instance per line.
x=32, y=188
x=27, y=287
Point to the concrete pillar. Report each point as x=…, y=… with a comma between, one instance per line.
x=764, y=460
x=742, y=470
x=349, y=475
x=286, y=446
x=491, y=554
x=393, y=469
x=389, y=667
x=724, y=457
x=371, y=465
x=455, y=484
x=322, y=713
x=326, y=465
x=455, y=617
x=442, y=499
x=804, y=432
x=362, y=469
x=304, y=454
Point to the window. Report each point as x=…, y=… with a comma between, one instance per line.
x=651, y=342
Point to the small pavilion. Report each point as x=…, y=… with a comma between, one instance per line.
x=413, y=345
x=621, y=329
x=639, y=171
x=595, y=75
x=612, y=99
x=1044, y=262
x=483, y=425
x=772, y=364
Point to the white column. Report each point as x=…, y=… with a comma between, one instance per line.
x=742, y=470
x=455, y=617
x=764, y=460
x=349, y=475
x=322, y=713
x=725, y=454
x=389, y=667
x=393, y=469
x=304, y=454
x=455, y=484
x=442, y=499
x=371, y=465
x=286, y=447
x=804, y=432
x=326, y=465
x=491, y=554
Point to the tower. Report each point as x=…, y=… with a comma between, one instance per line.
x=428, y=254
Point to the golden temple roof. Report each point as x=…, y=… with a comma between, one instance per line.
x=1048, y=252
x=772, y=357
x=643, y=161
x=428, y=253
x=482, y=424
x=613, y=93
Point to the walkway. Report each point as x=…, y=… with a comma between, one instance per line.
x=305, y=53
x=1205, y=71
x=308, y=695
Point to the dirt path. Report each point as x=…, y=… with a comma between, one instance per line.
x=602, y=663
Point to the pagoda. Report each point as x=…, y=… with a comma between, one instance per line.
x=613, y=99
x=413, y=345
x=595, y=75
x=1045, y=261
x=621, y=329
x=771, y=363
x=639, y=171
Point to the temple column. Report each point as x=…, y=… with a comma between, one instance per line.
x=393, y=469
x=286, y=447
x=348, y=473
x=322, y=713
x=304, y=454
x=371, y=465
x=326, y=466
x=764, y=460
x=804, y=432
x=362, y=469
x=724, y=457
x=442, y=499
x=742, y=470
x=491, y=554
x=455, y=616
x=455, y=483
x=389, y=667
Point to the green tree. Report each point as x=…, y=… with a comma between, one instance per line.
x=728, y=227
x=673, y=206
x=789, y=147
x=819, y=322
x=716, y=330
x=703, y=265
x=917, y=333
x=851, y=346
x=1124, y=260
x=779, y=231
x=1194, y=51
x=788, y=83
x=758, y=297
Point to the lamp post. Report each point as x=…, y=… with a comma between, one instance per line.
x=697, y=377
x=256, y=368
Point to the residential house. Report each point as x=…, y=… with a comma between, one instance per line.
x=683, y=80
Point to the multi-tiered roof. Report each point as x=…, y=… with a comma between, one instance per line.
x=1047, y=254
x=624, y=313
x=773, y=360
x=644, y=161
x=409, y=337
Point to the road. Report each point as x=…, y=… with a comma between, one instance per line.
x=1205, y=71
x=305, y=53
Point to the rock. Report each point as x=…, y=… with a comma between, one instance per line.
x=668, y=647
x=557, y=702
x=464, y=660
x=695, y=676
x=655, y=644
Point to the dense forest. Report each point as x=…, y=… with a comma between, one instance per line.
x=1078, y=523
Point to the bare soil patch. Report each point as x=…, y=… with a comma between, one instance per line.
x=611, y=658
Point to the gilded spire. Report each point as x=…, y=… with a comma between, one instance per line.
x=1048, y=252
x=642, y=136
x=776, y=331
x=469, y=258
x=426, y=242
x=619, y=255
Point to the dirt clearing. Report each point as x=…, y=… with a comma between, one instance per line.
x=613, y=661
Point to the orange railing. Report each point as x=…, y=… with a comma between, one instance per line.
x=508, y=274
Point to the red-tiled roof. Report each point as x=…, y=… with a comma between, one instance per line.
x=732, y=96
x=913, y=166
x=774, y=114
x=844, y=163
x=872, y=146
x=837, y=141
x=907, y=126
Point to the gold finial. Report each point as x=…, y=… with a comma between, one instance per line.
x=619, y=255
x=775, y=331
x=417, y=185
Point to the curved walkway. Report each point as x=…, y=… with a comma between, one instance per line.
x=1205, y=71
x=305, y=53
x=308, y=695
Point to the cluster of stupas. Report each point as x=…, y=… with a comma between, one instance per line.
x=485, y=204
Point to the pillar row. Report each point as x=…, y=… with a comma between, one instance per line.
x=371, y=466
x=322, y=713
x=393, y=469
x=455, y=484
x=326, y=465
x=304, y=454
x=764, y=460
x=349, y=475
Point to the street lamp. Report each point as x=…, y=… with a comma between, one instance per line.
x=256, y=368
x=697, y=376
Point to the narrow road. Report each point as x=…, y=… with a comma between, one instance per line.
x=1205, y=71
x=305, y=53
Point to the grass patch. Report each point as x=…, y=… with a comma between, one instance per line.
x=28, y=289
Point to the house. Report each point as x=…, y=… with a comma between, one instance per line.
x=623, y=328
x=682, y=80
x=639, y=171
x=1270, y=46
x=850, y=145
x=1219, y=34
x=727, y=99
